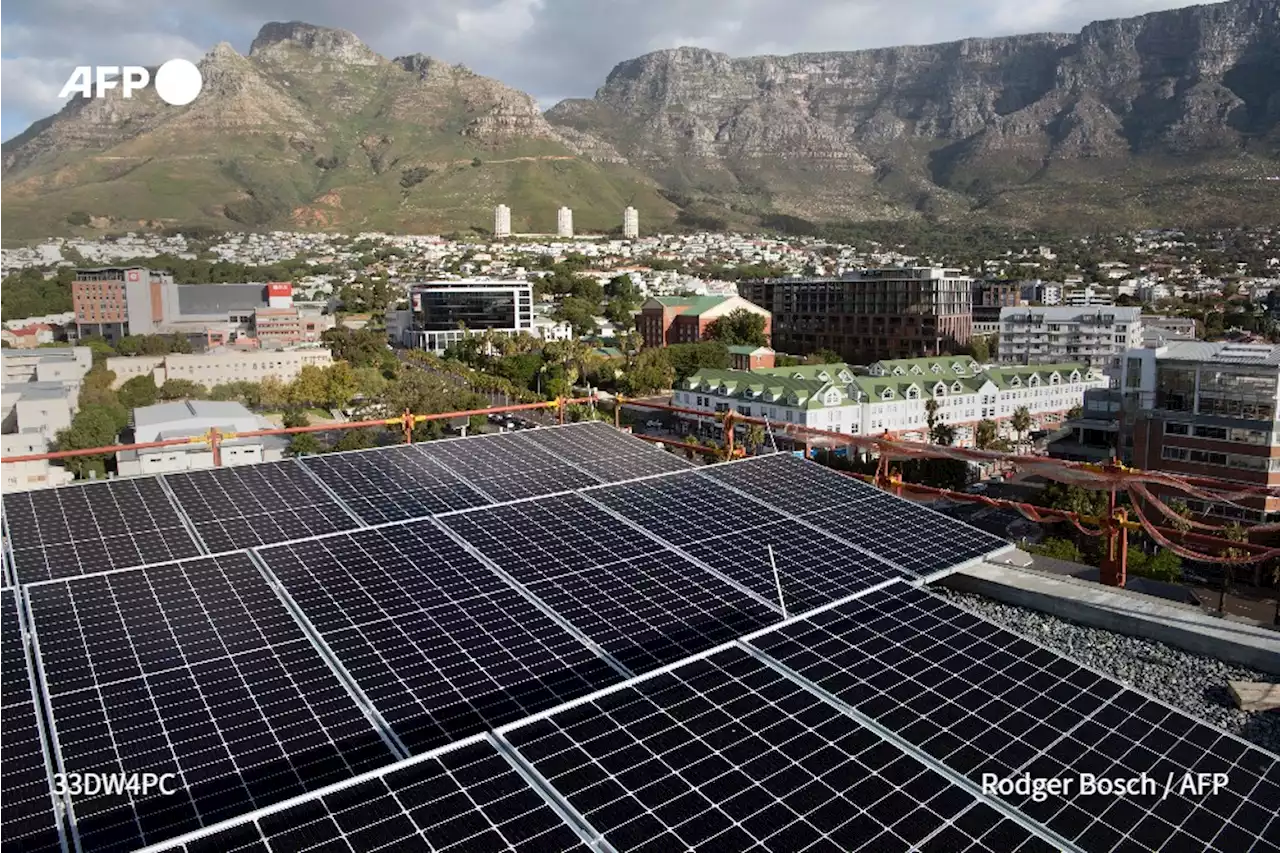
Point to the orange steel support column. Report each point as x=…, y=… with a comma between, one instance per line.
x=215, y=444
x=728, y=435
x=408, y=426
x=617, y=412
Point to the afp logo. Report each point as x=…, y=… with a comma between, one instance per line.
x=178, y=81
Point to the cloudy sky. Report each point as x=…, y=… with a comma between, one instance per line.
x=550, y=48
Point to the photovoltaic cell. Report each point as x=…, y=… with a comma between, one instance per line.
x=28, y=821
x=642, y=603
x=983, y=700
x=247, y=505
x=914, y=537
x=195, y=669
x=506, y=468
x=636, y=465
x=466, y=800
x=77, y=530
x=733, y=535
x=606, y=453
x=727, y=754
x=440, y=644
x=392, y=483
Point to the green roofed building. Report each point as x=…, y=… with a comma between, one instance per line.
x=892, y=395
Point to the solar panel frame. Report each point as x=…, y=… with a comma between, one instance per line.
x=1031, y=737
x=30, y=812
x=732, y=746
x=589, y=576
x=216, y=682
x=469, y=796
x=913, y=537
x=243, y=506
x=386, y=484
x=440, y=644
x=504, y=468
x=604, y=452
x=90, y=527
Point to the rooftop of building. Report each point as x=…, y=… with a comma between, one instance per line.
x=1122, y=314
x=207, y=299
x=1223, y=352
x=691, y=306
x=34, y=390
x=205, y=410
x=42, y=353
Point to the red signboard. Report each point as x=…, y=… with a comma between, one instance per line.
x=133, y=275
x=279, y=288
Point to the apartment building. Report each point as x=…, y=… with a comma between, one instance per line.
x=988, y=298
x=38, y=398
x=1096, y=337
x=220, y=365
x=444, y=312
x=34, y=474
x=665, y=320
x=630, y=223
x=66, y=365
x=1088, y=295
x=196, y=417
x=1207, y=410
x=835, y=398
x=869, y=314
x=1158, y=331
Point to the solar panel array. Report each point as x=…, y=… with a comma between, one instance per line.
x=549, y=663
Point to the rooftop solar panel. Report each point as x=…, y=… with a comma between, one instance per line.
x=606, y=453
x=632, y=466
x=983, y=700
x=28, y=820
x=464, y=800
x=725, y=753
x=76, y=530
x=506, y=468
x=790, y=483
x=642, y=603
x=195, y=669
x=439, y=643
x=911, y=536
x=733, y=534
x=246, y=505
x=392, y=483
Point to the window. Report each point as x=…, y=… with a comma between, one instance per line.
x=1219, y=433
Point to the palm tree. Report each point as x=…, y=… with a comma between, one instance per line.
x=930, y=418
x=986, y=434
x=754, y=438
x=1233, y=532
x=1021, y=422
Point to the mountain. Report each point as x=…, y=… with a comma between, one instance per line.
x=1171, y=117
x=312, y=130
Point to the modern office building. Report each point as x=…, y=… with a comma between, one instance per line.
x=196, y=417
x=443, y=312
x=502, y=221
x=834, y=398
x=1158, y=331
x=1088, y=295
x=869, y=314
x=1096, y=336
x=988, y=298
x=667, y=320
x=1207, y=410
x=220, y=365
x=114, y=302
x=630, y=223
x=564, y=222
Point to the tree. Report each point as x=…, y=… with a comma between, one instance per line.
x=1077, y=499
x=754, y=438
x=930, y=418
x=273, y=394
x=687, y=359
x=340, y=384
x=1058, y=549
x=824, y=356
x=651, y=371
x=310, y=388
x=138, y=391
x=296, y=418
x=739, y=327
x=304, y=444
x=986, y=434
x=578, y=313
x=354, y=439
x=182, y=389
x=1233, y=532
x=93, y=426
x=980, y=349
x=1021, y=422
x=943, y=434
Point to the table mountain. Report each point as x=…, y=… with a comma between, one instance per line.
x=313, y=130
x=1168, y=117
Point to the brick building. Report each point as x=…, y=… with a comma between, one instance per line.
x=667, y=320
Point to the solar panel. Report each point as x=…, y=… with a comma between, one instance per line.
x=505, y=468
x=642, y=603
x=392, y=483
x=28, y=821
x=441, y=645
x=733, y=534
x=76, y=530
x=636, y=465
x=725, y=753
x=464, y=800
x=195, y=669
x=914, y=537
x=606, y=453
x=985, y=701
x=247, y=505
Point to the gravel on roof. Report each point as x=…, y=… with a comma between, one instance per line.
x=1193, y=683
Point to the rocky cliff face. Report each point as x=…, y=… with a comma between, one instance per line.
x=977, y=117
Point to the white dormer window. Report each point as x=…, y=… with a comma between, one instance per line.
x=898, y=371
x=957, y=388
x=1015, y=382
x=957, y=367
x=1054, y=378
x=798, y=376
x=936, y=368
x=833, y=397
x=940, y=388
x=822, y=374
x=915, y=368
x=846, y=376
x=1034, y=381
x=913, y=393
x=886, y=394
x=1075, y=376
